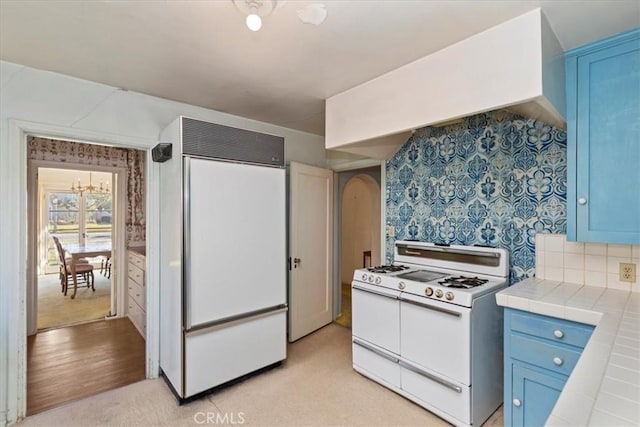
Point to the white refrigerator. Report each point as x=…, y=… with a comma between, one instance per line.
x=223, y=255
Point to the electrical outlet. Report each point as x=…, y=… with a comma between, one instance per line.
x=392, y=231
x=627, y=272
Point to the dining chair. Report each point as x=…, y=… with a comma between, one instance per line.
x=84, y=270
x=105, y=266
x=79, y=261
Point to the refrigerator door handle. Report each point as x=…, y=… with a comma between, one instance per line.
x=186, y=243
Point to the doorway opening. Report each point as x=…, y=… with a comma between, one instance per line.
x=359, y=231
x=75, y=210
x=85, y=237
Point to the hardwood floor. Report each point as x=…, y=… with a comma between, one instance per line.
x=68, y=364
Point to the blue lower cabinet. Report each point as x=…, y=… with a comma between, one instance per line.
x=534, y=395
x=540, y=353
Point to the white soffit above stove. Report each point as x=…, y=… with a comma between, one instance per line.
x=201, y=53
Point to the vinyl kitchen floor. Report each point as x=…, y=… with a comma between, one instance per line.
x=315, y=387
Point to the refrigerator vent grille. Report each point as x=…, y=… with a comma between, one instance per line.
x=223, y=142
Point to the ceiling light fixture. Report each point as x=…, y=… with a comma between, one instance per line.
x=255, y=11
x=314, y=13
x=254, y=22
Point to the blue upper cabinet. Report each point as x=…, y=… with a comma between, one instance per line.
x=603, y=140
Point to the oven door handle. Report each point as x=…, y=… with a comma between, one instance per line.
x=431, y=307
x=371, y=291
x=372, y=349
x=432, y=377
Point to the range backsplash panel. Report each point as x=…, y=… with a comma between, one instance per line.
x=495, y=179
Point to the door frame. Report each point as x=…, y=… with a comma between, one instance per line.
x=14, y=269
x=118, y=236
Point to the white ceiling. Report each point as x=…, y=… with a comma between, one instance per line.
x=201, y=53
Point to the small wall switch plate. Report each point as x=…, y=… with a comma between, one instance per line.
x=627, y=272
x=392, y=231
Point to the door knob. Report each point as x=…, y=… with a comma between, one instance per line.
x=296, y=262
x=582, y=201
x=558, y=333
x=557, y=361
x=517, y=402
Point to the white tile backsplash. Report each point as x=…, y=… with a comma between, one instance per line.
x=554, y=242
x=540, y=241
x=622, y=251
x=574, y=276
x=573, y=247
x=595, y=278
x=595, y=249
x=613, y=264
x=554, y=273
x=574, y=261
x=553, y=259
x=595, y=263
x=591, y=264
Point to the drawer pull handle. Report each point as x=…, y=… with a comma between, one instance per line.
x=557, y=361
x=558, y=333
x=516, y=402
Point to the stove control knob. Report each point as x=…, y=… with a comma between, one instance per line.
x=449, y=296
x=371, y=278
x=439, y=293
x=378, y=280
x=429, y=291
x=364, y=277
x=401, y=285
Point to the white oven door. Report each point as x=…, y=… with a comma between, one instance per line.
x=436, y=336
x=375, y=315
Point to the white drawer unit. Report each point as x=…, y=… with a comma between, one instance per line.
x=137, y=290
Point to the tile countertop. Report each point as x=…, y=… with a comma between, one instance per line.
x=604, y=387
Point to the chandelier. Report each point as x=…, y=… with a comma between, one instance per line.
x=81, y=189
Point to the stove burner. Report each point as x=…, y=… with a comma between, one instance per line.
x=387, y=268
x=462, y=282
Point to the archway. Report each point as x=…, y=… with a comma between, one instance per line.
x=360, y=234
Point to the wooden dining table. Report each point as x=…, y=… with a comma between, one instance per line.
x=87, y=250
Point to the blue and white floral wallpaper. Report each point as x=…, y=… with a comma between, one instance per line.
x=496, y=179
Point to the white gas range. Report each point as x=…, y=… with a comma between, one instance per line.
x=428, y=327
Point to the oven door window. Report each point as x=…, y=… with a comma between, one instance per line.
x=436, y=336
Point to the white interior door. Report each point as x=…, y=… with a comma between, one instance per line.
x=310, y=249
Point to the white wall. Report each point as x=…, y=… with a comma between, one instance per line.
x=42, y=96
x=56, y=101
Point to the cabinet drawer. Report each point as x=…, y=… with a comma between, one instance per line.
x=136, y=260
x=136, y=292
x=376, y=362
x=136, y=274
x=555, y=358
x=556, y=330
x=138, y=316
